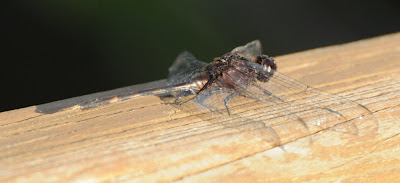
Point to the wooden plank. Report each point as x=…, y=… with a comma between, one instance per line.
x=146, y=140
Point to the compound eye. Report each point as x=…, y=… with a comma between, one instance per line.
x=266, y=61
x=270, y=63
x=260, y=59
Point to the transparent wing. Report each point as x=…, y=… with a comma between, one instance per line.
x=250, y=50
x=315, y=107
x=282, y=108
x=184, y=68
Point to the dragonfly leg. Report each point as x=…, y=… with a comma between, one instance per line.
x=227, y=99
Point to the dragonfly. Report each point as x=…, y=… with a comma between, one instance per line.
x=243, y=90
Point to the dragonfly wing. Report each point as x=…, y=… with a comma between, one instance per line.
x=250, y=50
x=316, y=108
x=184, y=68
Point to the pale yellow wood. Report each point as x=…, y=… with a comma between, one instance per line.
x=145, y=140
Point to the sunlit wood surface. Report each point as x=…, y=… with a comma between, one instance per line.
x=145, y=140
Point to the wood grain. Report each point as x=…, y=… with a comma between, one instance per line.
x=146, y=140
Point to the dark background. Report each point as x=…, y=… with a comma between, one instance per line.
x=54, y=50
